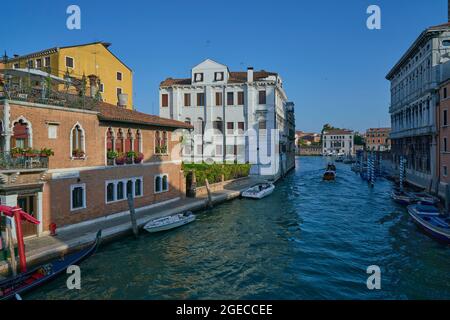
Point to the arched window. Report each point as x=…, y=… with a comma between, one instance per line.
x=110, y=140
x=198, y=127
x=218, y=126
x=119, y=141
x=137, y=141
x=21, y=137
x=157, y=142
x=165, y=183
x=129, y=141
x=77, y=142
x=157, y=184
x=165, y=142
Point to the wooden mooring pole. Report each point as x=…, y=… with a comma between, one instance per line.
x=208, y=189
x=12, y=254
x=133, y=215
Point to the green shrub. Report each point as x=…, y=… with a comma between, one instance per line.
x=213, y=172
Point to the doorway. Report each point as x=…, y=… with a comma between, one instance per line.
x=28, y=204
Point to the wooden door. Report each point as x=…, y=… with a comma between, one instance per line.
x=28, y=204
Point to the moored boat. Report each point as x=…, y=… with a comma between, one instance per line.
x=402, y=197
x=431, y=222
x=259, y=191
x=27, y=281
x=425, y=198
x=170, y=222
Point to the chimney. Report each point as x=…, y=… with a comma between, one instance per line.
x=250, y=74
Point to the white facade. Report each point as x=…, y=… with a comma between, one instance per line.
x=234, y=115
x=414, y=95
x=338, y=142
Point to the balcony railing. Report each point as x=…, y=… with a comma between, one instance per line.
x=52, y=97
x=11, y=161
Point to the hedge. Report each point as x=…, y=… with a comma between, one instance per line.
x=213, y=172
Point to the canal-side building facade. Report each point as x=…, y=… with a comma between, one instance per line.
x=78, y=62
x=443, y=141
x=68, y=163
x=377, y=139
x=414, y=81
x=336, y=142
x=237, y=116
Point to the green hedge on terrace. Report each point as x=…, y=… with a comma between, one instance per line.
x=213, y=172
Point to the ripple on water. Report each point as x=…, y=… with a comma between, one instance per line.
x=309, y=240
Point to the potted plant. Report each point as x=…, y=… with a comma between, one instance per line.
x=78, y=153
x=139, y=157
x=120, y=160
x=111, y=154
x=31, y=153
x=45, y=152
x=130, y=155
x=16, y=152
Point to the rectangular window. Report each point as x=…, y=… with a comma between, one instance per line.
x=119, y=91
x=445, y=93
x=262, y=125
x=218, y=76
x=444, y=120
x=241, y=127
x=218, y=99
x=38, y=63
x=187, y=150
x=198, y=77
x=69, y=62
x=102, y=88
x=241, y=98
x=230, y=127
x=47, y=62
x=445, y=171
x=52, y=131
x=262, y=97
x=200, y=99
x=445, y=145
x=219, y=150
x=119, y=76
x=187, y=99
x=77, y=197
x=230, y=98
x=164, y=100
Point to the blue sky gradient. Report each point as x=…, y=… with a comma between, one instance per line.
x=333, y=67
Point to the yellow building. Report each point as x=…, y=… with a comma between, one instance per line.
x=116, y=79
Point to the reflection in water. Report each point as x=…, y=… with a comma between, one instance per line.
x=309, y=240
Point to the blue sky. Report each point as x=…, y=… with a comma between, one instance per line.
x=333, y=67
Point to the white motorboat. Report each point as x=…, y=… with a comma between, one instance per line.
x=170, y=222
x=259, y=191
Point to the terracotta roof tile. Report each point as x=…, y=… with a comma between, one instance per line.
x=109, y=112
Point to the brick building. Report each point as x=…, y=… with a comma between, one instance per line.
x=101, y=154
x=377, y=139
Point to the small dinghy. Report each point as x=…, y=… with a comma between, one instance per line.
x=170, y=222
x=430, y=221
x=425, y=198
x=14, y=287
x=259, y=191
x=402, y=197
x=329, y=175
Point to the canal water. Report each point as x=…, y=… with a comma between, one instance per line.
x=309, y=240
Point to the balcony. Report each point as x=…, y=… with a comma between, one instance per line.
x=34, y=86
x=13, y=162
